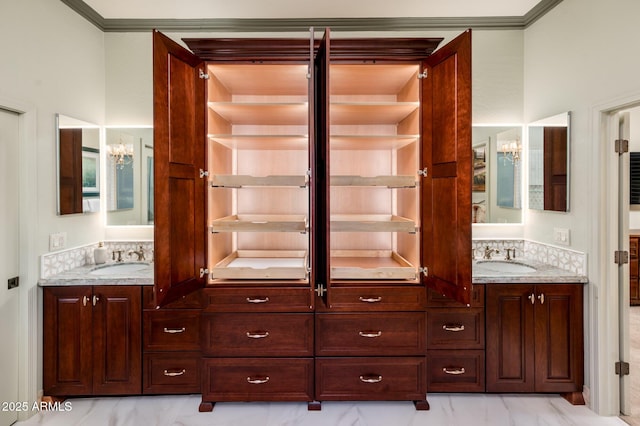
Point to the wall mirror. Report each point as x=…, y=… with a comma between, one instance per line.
x=129, y=176
x=77, y=166
x=549, y=163
x=497, y=179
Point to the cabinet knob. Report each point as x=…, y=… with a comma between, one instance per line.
x=532, y=298
x=257, y=299
x=85, y=299
x=257, y=380
x=453, y=327
x=174, y=330
x=257, y=334
x=541, y=298
x=174, y=373
x=96, y=299
x=371, y=378
x=370, y=333
x=455, y=371
x=374, y=299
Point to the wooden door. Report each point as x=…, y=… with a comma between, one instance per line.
x=446, y=154
x=179, y=164
x=67, y=335
x=559, y=338
x=509, y=338
x=117, y=340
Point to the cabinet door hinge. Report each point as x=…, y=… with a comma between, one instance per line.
x=423, y=74
x=203, y=272
x=320, y=289
x=620, y=257
x=203, y=173
x=622, y=368
x=423, y=172
x=621, y=146
x=424, y=270
x=203, y=74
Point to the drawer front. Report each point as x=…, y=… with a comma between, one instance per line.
x=171, y=330
x=437, y=300
x=190, y=301
x=455, y=371
x=377, y=298
x=256, y=379
x=386, y=333
x=455, y=328
x=258, y=334
x=371, y=379
x=259, y=299
x=171, y=373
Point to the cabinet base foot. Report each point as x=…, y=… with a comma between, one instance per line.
x=421, y=405
x=53, y=399
x=206, y=407
x=575, y=398
x=314, y=406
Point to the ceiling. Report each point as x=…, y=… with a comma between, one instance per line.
x=295, y=15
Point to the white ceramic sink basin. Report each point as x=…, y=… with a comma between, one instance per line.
x=506, y=266
x=119, y=268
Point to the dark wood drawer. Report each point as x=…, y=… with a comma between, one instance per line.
x=171, y=373
x=455, y=371
x=386, y=333
x=258, y=334
x=190, y=301
x=455, y=328
x=171, y=330
x=371, y=379
x=377, y=298
x=255, y=379
x=437, y=300
x=299, y=299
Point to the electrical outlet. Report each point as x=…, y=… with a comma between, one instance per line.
x=13, y=282
x=57, y=241
x=561, y=236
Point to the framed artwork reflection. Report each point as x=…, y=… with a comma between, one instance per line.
x=90, y=172
x=479, y=167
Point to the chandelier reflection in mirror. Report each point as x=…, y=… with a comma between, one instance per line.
x=121, y=154
x=511, y=150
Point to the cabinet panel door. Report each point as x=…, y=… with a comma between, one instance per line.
x=179, y=158
x=559, y=338
x=509, y=338
x=117, y=340
x=446, y=153
x=67, y=335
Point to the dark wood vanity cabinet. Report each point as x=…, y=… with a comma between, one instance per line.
x=92, y=340
x=534, y=339
x=315, y=189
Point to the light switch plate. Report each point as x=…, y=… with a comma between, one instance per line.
x=561, y=236
x=57, y=241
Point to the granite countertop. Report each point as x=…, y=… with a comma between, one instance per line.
x=484, y=272
x=83, y=275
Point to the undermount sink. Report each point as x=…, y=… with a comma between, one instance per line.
x=119, y=268
x=506, y=266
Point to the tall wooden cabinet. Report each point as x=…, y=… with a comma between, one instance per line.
x=314, y=189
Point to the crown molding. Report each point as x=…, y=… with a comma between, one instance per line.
x=303, y=24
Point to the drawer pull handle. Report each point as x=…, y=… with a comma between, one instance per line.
x=455, y=371
x=453, y=327
x=174, y=373
x=370, y=333
x=257, y=299
x=258, y=380
x=257, y=334
x=374, y=299
x=174, y=330
x=371, y=379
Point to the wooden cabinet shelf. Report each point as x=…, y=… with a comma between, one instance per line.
x=260, y=223
x=262, y=264
x=371, y=223
x=238, y=181
x=371, y=142
x=371, y=112
x=370, y=265
x=388, y=181
x=284, y=113
x=262, y=142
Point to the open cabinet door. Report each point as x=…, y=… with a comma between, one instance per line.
x=446, y=152
x=320, y=168
x=179, y=158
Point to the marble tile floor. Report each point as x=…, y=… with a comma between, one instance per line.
x=446, y=410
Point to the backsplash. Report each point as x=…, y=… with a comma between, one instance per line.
x=65, y=260
x=563, y=258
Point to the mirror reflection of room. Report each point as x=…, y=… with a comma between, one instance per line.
x=129, y=176
x=497, y=168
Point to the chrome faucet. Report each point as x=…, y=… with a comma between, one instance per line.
x=488, y=251
x=511, y=253
x=139, y=252
x=113, y=255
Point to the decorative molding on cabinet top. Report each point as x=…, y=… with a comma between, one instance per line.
x=61, y=261
x=560, y=257
x=303, y=24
